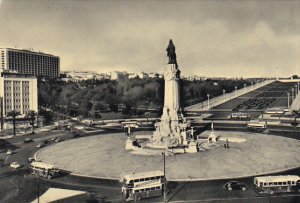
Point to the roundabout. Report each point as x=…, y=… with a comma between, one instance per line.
x=104, y=156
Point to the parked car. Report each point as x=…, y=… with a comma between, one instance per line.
x=235, y=185
x=28, y=140
x=9, y=152
x=15, y=165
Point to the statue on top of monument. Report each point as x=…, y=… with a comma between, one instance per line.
x=171, y=53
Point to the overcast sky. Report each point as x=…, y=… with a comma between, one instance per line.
x=212, y=38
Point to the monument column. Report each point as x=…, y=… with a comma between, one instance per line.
x=172, y=97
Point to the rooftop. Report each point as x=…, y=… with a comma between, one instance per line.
x=28, y=51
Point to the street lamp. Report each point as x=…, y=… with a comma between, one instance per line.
x=208, y=102
x=165, y=181
x=1, y=109
x=288, y=94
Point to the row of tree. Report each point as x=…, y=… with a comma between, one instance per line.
x=92, y=95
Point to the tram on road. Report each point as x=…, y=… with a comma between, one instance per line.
x=277, y=184
x=43, y=170
x=138, y=186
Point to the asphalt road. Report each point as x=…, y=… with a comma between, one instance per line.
x=19, y=186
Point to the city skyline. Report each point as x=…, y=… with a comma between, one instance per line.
x=212, y=38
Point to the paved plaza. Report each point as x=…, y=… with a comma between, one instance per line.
x=105, y=156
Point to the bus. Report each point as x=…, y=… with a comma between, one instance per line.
x=275, y=110
x=43, y=169
x=257, y=125
x=277, y=184
x=239, y=115
x=138, y=186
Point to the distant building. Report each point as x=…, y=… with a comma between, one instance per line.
x=153, y=75
x=18, y=92
x=143, y=75
x=29, y=62
x=117, y=75
x=132, y=75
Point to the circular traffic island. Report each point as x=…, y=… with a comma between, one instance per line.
x=104, y=156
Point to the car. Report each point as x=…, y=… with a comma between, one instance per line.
x=234, y=185
x=76, y=135
x=15, y=165
x=28, y=140
x=53, y=138
x=58, y=139
x=40, y=145
x=9, y=152
x=31, y=159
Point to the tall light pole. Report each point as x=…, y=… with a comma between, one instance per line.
x=208, y=102
x=165, y=179
x=288, y=94
x=1, y=109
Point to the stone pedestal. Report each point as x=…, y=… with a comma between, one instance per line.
x=171, y=131
x=192, y=147
x=129, y=144
x=212, y=137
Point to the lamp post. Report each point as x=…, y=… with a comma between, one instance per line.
x=1, y=109
x=235, y=88
x=165, y=180
x=288, y=94
x=208, y=102
x=38, y=190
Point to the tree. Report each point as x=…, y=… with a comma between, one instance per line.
x=13, y=114
x=31, y=117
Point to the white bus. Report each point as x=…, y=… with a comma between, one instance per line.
x=137, y=186
x=239, y=115
x=43, y=169
x=275, y=110
x=256, y=125
x=277, y=184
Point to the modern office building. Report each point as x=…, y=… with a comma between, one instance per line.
x=18, y=92
x=28, y=62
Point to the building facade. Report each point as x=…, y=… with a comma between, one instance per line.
x=28, y=62
x=18, y=92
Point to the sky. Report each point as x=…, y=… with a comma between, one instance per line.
x=223, y=38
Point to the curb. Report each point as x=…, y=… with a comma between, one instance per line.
x=195, y=179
